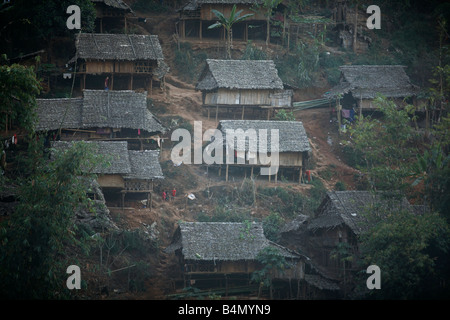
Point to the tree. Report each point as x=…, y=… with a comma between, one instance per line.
x=227, y=24
x=410, y=249
x=386, y=146
x=36, y=239
x=269, y=6
x=18, y=91
x=272, y=261
x=29, y=23
x=411, y=252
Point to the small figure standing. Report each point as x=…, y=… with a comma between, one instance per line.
x=106, y=83
x=174, y=192
x=164, y=195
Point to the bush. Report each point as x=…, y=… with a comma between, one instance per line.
x=340, y=186
x=272, y=225
x=253, y=53
x=187, y=62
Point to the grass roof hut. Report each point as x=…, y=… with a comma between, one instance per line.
x=196, y=16
x=129, y=171
x=213, y=252
x=360, y=84
x=243, y=84
x=101, y=115
x=340, y=218
x=111, y=15
x=293, y=145
x=129, y=61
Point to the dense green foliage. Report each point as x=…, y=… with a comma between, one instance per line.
x=37, y=238
x=410, y=249
x=28, y=23
x=412, y=253
x=18, y=90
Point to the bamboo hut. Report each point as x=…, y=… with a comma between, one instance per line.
x=111, y=15
x=341, y=217
x=101, y=115
x=360, y=84
x=225, y=254
x=196, y=16
x=129, y=61
x=293, y=146
x=243, y=86
x=130, y=171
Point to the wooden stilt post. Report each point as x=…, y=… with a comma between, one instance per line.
x=251, y=173
x=149, y=201
x=217, y=112
x=220, y=170
x=226, y=173
x=300, y=175
x=276, y=177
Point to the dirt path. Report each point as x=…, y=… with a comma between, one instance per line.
x=325, y=147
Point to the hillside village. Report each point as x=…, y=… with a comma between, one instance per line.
x=165, y=226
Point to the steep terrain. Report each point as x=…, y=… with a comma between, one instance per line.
x=180, y=100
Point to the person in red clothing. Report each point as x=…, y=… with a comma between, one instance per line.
x=174, y=192
x=164, y=195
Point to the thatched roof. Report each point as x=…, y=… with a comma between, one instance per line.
x=366, y=81
x=320, y=282
x=145, y=165
x=118, y=109
x=116, y=4
x=130, y=47
x=98, y=109
x=355, y=208
x=239, y=74
x=292, y=134
x=223, y=241
x=114, y=152
x=131, y=164
x=52, y=112
x=127, y=47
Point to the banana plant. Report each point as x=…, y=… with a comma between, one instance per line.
x=227, y=24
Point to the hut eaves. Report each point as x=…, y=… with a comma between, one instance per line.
x=366, y=81
x=292, y=134
x=239, y=74
x=224, y=241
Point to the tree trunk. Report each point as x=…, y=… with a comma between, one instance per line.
x=229, y=35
